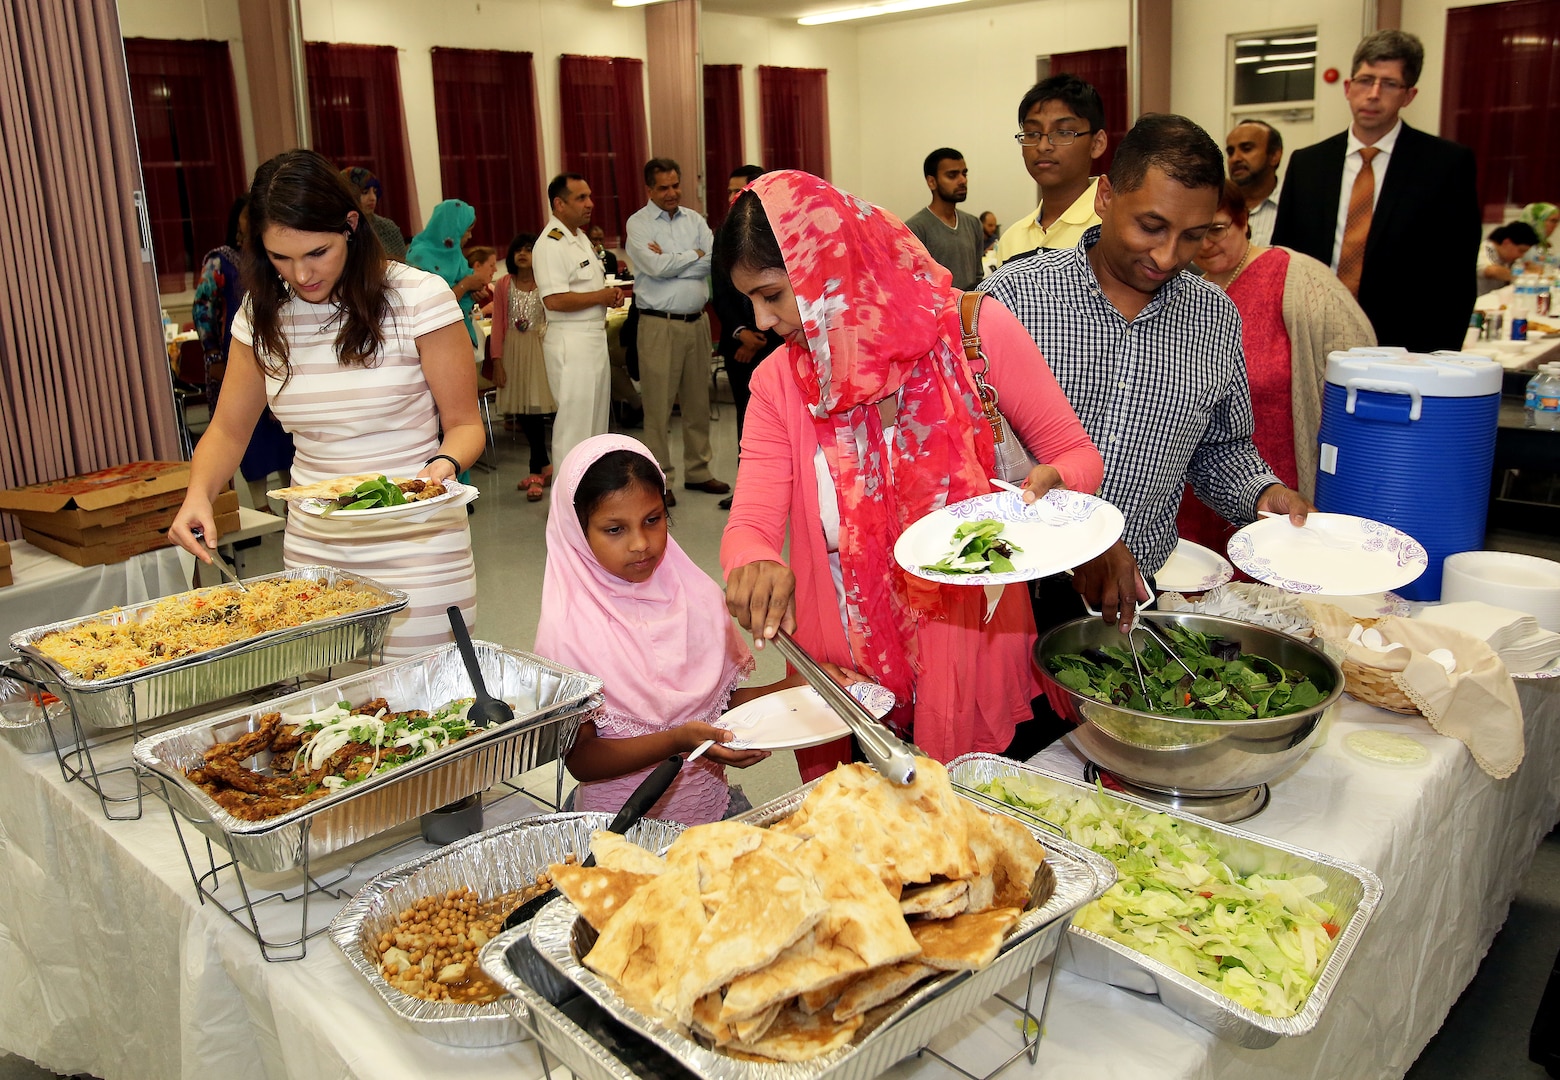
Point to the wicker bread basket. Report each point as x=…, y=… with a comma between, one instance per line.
x=1374, y=685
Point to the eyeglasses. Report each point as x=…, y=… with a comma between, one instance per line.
x=1060, y=137
x=1368, y=83
x=1217, y=233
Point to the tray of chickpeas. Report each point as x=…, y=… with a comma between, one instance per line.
x=413, y=932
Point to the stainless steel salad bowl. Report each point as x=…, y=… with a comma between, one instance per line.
x=1190, y=760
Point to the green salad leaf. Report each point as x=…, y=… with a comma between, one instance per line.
x=978, y=547
x=1228, y=685
x=1261, y=940
x=380, y=491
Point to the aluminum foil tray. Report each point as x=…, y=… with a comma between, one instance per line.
x=508, y=857
x=192, y=681
x=545, y=697
x=1355, y=890
x=562, y=938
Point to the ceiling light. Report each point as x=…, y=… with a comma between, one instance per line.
x=1293, y=40
x=1290, y=56
x=1285, y=67
x=892, y=7
x=1251, y=43
x=1248, y=59
x=636, y=3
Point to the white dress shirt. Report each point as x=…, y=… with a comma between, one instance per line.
x=1262, y=218
x=1351, y=169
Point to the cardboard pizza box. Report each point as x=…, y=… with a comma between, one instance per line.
x=105, y=497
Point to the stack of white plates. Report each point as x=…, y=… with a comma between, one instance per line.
x=1505, y=579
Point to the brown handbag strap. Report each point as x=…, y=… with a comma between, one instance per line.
x=969, y=326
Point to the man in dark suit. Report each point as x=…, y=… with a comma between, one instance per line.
x=1394, y=211
x=741, y=346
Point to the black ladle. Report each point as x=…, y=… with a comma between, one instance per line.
x=649, y=791
x=486, y=710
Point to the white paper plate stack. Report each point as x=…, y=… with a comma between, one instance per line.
x=1505, y=579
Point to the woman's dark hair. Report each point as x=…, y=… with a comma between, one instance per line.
x=1518, y=232
x=516, y=246
x=235, y=215
x=746, y=238
x=614, y=471
x=300, y=189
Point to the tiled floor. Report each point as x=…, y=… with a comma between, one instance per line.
x=1485, y=1035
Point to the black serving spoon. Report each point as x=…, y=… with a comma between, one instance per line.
x=486, y=710
x=649, y=791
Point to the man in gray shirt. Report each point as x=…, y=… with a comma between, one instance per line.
x=952, y=237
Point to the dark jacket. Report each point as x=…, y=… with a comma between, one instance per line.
x=1424, y=235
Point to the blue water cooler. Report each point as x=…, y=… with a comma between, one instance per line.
x=1409, y=439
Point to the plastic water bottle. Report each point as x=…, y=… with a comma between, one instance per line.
x=1542, y=399
x=169, y=329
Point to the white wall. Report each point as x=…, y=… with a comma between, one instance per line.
x=195, y=20
x=546, y=28
x=751, y=42
x=955, y=78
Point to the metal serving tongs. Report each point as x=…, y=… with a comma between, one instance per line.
x=888, y=754
x=1140, y=623
x=219, y=560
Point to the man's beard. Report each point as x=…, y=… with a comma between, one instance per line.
x=954, y=196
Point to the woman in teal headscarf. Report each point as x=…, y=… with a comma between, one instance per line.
x=437, y=249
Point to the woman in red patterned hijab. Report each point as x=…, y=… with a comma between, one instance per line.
x=866, y=421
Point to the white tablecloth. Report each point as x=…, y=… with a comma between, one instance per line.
x=112, y=968
x=49, y=589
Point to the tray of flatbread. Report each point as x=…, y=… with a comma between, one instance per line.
x=829, y=933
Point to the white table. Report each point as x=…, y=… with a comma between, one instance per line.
x=49, y=589
x=113, y=969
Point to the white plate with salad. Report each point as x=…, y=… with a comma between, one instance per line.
x=999, y=538
x=375, y=502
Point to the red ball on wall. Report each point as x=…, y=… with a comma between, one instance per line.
x=1330, y=75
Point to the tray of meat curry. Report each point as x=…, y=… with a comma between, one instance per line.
x=312, y=772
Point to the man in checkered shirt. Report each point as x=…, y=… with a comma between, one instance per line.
x=1150, y=358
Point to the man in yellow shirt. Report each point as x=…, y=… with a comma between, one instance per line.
x=1063, y=134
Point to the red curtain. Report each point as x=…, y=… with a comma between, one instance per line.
x=1106, y=71
x=722, y=134
x=186, y=127
x=484, y=103
x=794, y=103
x=1501, y=96
x=355, y=118
x=602, y=102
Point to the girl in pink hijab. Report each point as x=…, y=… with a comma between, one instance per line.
x=623, y=601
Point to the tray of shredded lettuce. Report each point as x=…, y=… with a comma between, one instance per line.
x=1260, y=925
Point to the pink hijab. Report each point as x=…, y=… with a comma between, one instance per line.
x=880, y=317
x=665, y=649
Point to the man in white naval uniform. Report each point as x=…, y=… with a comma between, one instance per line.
x=573, y=286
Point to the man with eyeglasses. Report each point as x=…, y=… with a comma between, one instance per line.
x=1150, y=359
x=1394, y=211
x=1061, y=122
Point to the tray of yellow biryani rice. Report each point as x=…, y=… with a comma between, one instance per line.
x=193, y=648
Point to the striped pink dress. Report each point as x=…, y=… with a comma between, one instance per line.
x=347, y=420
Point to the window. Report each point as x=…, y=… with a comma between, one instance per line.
x=1270, y=68
x=484, y=103
x=192, y=165
x=1501, y=97
x=795, y=107
x=722, y=134
x=602, y=102
x=355, y=118
x=1106, y=71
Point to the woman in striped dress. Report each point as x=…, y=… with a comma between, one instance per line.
x=367, y=363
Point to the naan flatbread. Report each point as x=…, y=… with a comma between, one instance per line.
x=645, y=947
x=323, y=489
x=882, y=985
x=920, y=899
x=619, y=853
x=598, y=892
x=964, y=942
x=1019, y=856
x=796, y=1036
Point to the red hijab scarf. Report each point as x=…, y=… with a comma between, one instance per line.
x=881, y=318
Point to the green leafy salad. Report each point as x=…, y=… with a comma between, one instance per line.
x=978, y=548
x=1229, y=685
x=1260, y=940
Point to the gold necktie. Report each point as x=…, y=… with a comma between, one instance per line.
x=1356, y=227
